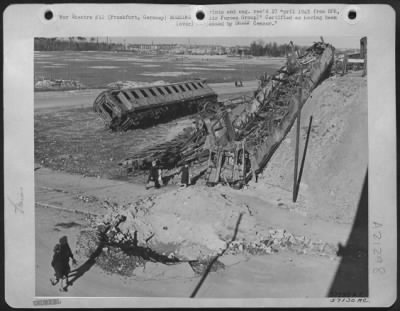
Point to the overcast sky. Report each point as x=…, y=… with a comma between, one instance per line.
x=337, y=42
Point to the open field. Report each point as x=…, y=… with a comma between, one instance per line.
x=97, y=69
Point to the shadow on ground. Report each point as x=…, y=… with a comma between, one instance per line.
x=351, y=279
x=129, y=248
x=215, y=259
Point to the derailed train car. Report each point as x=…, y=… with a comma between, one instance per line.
x=123, y=109
x=233, y=145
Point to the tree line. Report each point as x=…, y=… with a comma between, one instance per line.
x=74, y=44
x=259, y=48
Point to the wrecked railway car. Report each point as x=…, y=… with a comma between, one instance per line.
x=235, y=144
x=123, y=109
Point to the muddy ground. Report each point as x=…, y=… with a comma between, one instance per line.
x=305, y=257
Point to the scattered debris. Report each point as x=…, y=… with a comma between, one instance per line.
x=133, y=84
x=199, y=267
x=58, y=85
x=87, y=198
x=279, y=240
x=68, y=225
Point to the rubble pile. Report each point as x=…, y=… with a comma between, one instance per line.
x=280, y=240
x=114, y=251
x=58, y=85
x=132, y=84
x=109, y=258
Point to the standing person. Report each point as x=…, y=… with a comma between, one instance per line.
x=185, y=176
x=153, y=176
x=60, y=262
x=160, y=180
x=57, y=264
x=247, y=163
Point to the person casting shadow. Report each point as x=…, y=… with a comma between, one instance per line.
x=85, y=267
x=60, y=262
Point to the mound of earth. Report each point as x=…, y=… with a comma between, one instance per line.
x=337, y=155
x=193, y=223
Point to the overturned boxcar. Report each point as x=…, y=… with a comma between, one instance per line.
x=123, y=109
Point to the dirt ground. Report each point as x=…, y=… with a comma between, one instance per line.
x=284, y=274
x=70, y=137
x=201, y=221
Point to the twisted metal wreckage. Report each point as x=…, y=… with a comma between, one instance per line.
x=233, y=144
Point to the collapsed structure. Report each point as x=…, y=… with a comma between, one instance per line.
x=123, y=109
x=233, y=145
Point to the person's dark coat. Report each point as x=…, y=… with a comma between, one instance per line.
x=60, y=261
x=153, y=176
x=185, y=175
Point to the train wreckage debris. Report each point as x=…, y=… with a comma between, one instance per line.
x=232, y=145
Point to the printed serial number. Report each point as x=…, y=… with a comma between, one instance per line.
x=349, y=299
x=46, y=302
x=377, y=251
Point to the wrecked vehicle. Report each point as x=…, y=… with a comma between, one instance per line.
x=128, y=108
x=235, y=144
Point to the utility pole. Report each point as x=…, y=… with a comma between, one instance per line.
x=296, y=154
x=304, y=158
x=297, y=177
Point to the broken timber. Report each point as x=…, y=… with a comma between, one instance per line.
x=234, y=144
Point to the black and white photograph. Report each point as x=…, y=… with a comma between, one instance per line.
x=239, y=155
x=182, y=167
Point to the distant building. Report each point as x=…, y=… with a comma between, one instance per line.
x=180, y=49
x=146, y=47
x=238, y=50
